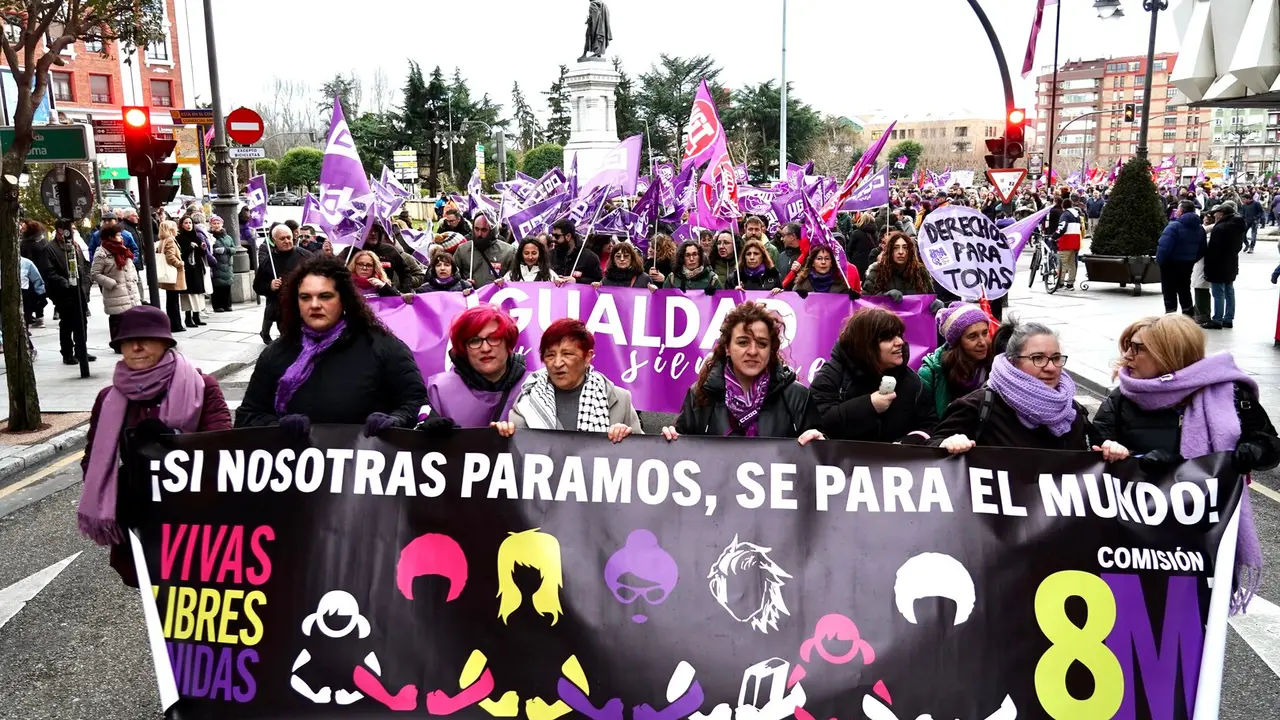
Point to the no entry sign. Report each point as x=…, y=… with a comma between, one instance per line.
x=244, y=126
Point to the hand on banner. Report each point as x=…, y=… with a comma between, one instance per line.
x=670, y=433
x=881, y=401
x=775, y=291
x=935, y=306
x=275, y=284
x=895, y=296
x=618, y=431
x=958, y=444
x=297, y=427
x=1157, y=461
x=377, y=422
x=560, y=281
x=408, y=298
x=1247, y=457
x=505, y=429
x=151, y=429
x=500, y=282
x=810, y=435
x=468, y=291
x=1112, y=451
x=595, y=285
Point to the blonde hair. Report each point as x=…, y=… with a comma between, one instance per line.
x=378, y=272
x=537, y=550
x=1173, y=341
x=168, y=229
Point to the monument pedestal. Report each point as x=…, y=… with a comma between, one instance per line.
x=595, y=129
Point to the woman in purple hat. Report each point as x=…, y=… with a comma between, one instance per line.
x=155, y=391
x=962, y=363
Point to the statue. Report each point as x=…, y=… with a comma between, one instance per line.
x=598, y=32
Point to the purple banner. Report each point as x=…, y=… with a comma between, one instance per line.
x=651, y=343
x=873, y=192
x=257, y=193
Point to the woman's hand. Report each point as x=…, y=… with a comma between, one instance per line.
x=1112, y=451
x=505, y=429
x=957, y=444
x=595, y=285
x=408, y=298
x=809, y=435
x=881, y=402
x=656, y=276
x=670, y=433
x=468, y=291
x=275, y=284
x=499, y=282
x=560, y=281
x=618, y=431
x=739, y=288
x=376, y=282
x=775, y=291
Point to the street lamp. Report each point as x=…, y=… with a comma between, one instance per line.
x=1108, y=8
x=1111, y=9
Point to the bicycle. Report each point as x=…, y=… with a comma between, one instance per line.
x=1045, y=261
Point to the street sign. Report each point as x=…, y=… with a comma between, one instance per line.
x=108, y=136
x=54, y=143
x=1006, y=182
x=480, y=159
x=78, y=187
x=245, y=126
x=1035, y=164
x=248, y=153
x=192, y=116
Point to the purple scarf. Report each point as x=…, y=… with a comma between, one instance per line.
x=1035, y=403
x=313, y=343
x=821, y=282
x=1210, y=423
x=744, y=405
x=755, y=272
x=183, y=390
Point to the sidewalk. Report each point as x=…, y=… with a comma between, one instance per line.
x=1090, y=322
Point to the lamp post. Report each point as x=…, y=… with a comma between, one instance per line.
x=1111, y=8
x=782, y=109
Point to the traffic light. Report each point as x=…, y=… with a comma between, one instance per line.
x=137, y=139
x=995, y=153
x=163, y=187
x=1128, y=112
x=1014, y=136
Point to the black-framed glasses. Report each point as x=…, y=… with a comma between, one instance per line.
x=1137, y=348
x=1042, y=361
x=475, y=342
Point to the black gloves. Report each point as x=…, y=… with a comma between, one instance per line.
x=377, y=422
x=935, y=306
x=895, y=296
x=150, y=430
x=855, y=295
x=802, y=293
x=296, y=427
x=711, y=290
x=1158, y=461
x=436, y=426
x=1247, y=457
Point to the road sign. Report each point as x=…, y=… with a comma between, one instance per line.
x=76, y=184
x=248, y=153
x=192, y=116
x=108, y=136
x=1006, y=182
x=54, y=143
x=245, y=126
x=1035, y=164
x=480, y=159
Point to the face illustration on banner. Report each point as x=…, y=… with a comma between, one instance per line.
x=641, y=570
x=537, y=550
x=748, y=584
x=432, y=554
x=934, y=575
x=337, y=615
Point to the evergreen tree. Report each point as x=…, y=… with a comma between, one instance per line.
x=529, y=129
x=434, y=128
x=184, y=183
x=347, y=89
x=667, y=92
x=413, y=122
x=627, y=112
x=561, y=121
x=1133, y=217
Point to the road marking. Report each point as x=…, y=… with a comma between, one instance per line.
x=46, y=472
x=14, y=597
x=1260, y=627
x=1266, y=491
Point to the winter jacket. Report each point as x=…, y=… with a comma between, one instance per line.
x=29, y=277
x=224, y=251
x=464, y=396
x=1183, y=240
x=459, y=284
x=626, y=278
x=1141, y=431
x=357, y=376
x=279, y=266
x=415, y=272
x=621, y=410
x=786, y=412
x=1068, y=230
x=119, y=285
x=482, y=266
x=858, y=249
x=841, y=394
x=1093, y=208
x=1251, y=212
x=51, y=261
x=588, y=264
x=770, y=280
x=194, y=261
x=703, y=280
x=168, y=256
x=1002, y=428
x=786, y=256
x=804, y=283
x=127, y=236
x=1222, y=258
x=723, y=270
x=936, y=382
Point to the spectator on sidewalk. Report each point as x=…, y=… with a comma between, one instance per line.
x=1222, y=264
x=155, y=391
x=1068, y=233
x=63, y=288
x=1181, y=245
x=224, y=253
x=113, y=271
x=283, y=258
x=170, y=273
x=1251, y=213
x=33, y=293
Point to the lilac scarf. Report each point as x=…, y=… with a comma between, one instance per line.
x=1035, y=403
x=1206, y=393
x=183, y=390
x=744, y=404
x=313, y=343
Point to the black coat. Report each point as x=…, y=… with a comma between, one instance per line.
x=51, y=261
x=629, y=278
x=279, y=265
x=1002, y=427
x=786, y=412
x=357, y=376
x=192, y=249
x=858, y=249
x=1222, y=259
x=1141, y=431
x=770, y=280
x=841, y=393
x=588, y=263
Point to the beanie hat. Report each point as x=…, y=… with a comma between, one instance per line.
x=955, y=318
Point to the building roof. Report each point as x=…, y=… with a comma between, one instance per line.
x=1229, y=58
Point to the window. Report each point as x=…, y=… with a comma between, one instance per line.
x=1170, y=92
x=1135, y=66
x=1115, y=67
x=1117, y=81
x=93, y=46
x=1273, y=118
x=63, y=86
x=1170, y=134
x=1159, y=66
x=1170, y=119
x=1140, y=81
x=162, y=93
x=1138, y=95
x=100, y=89
x=992, y=131
x=12, y=33
x=961, y=131
x=964, y=147
x=911, y=132
x=158, y=50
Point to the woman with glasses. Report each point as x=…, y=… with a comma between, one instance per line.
x=757, y=271
x=724, y=256
x=370, y=278
x=1027, y=402
x=693, y=272
x=486, y=375
x=442, y=277
x=625, y=269
x=866, y=391
x=820, y=274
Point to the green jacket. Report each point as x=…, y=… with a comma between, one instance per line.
x=703, y=280
x=934, y=380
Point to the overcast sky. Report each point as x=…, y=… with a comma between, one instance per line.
x=845, y=58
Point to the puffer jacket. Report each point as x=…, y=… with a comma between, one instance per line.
x=704, y=280
x=841, y=394
x=1222, y=258
x=786, y=412
x=119, y=285
x=1183, y=240
x=224, y=251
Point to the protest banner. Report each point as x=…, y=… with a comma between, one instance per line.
x=476, y=576
x=872, y=193
x=966, y=253
x=651, y=343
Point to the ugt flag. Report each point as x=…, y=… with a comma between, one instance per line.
x=705, y=130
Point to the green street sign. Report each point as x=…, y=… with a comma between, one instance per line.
x=53, y=143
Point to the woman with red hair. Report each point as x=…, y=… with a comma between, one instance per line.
x=482, y=385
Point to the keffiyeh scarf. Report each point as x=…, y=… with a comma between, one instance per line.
x=537, y=403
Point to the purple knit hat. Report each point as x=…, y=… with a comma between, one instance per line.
x=955, y=318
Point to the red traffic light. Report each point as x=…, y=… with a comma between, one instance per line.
x=137, y=139
x=136, y=117
x=1017, y=116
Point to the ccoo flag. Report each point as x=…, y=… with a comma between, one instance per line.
x=342, y=175
x=258, y=201
x=619, y=168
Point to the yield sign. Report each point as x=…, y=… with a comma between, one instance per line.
x=1006, y=181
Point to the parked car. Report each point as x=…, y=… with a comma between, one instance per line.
x=118, y=199
x=284, y=198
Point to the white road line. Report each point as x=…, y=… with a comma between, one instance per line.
x=1265, y=491
x=16, y=596
x=1260, y=627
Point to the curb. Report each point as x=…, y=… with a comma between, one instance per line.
x=33, y=456
x=1093, y=386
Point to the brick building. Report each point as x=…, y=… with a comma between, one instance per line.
x=949, y=139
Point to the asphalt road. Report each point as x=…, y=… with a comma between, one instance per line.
x=78, y=649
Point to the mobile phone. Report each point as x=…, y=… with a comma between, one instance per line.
x=888, y=385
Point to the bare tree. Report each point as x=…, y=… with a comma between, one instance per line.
x=836, y=148
x=382, y=94
x=290, y=110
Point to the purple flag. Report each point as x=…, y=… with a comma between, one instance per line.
x=585, y=211
x=573, y=177
x=311, y=214
x=643, y=184
x=901, y=162
x=258, y=201
x=537, y=218
x=646, y=210
x=795, y=174
x=664, y=177
x=740, y=172
x=390, y=182
x=1020, y=232
x=419, y=242
x=341, y=176
x=547, y=186
x=705, y=130
x=488, y=206
x=619, y=168
x=860, y=169
x=789, y=207
x=474, y=192
x=873, y=192
x=820, y=236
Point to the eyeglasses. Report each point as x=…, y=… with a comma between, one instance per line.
x=557, y=235
x=364, y=266
x=1042, y=361
x=475, y=342
x=1135, y=348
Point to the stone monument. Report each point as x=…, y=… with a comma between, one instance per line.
x=591, y=85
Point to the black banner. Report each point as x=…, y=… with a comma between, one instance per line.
x=556, y=573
